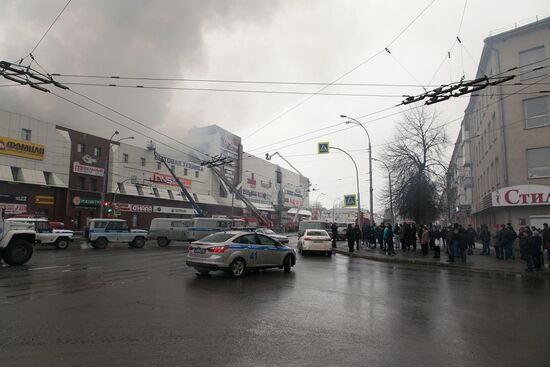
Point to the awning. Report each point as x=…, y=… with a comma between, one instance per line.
x=5, y=173
x=305, y=212
x=33, y=176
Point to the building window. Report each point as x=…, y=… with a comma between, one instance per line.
x=159, y=166
x=124, y=158
x=25, y=134
x=93, y=184
x=97, y=152
x=185, y=171
x=538, y=162
x=143, y=162
x=532, y=57
x=82, y=183
x=536, y=112
x=16, y=173
x=196, y=174
x=80, y=148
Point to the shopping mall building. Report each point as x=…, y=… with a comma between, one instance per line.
x=65, y=175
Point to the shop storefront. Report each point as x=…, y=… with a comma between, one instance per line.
x=521, y=205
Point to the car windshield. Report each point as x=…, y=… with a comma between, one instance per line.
x=316, y=233
x=217, y=237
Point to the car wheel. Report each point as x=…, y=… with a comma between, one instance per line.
x=18, y=252
x=163, y=242
x=287, y=263
x=237, y=268
x=100, y=243
x=139, y=242
x=62, y=243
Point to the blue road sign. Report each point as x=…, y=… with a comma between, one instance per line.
x=323, y=147
x=350, y=200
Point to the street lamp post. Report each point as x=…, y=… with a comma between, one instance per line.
x=391, y=196
x=351, y=120
x=359, y=215
x=106, y=169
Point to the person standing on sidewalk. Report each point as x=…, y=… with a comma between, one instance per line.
x=357, y=232
x=537, y=251
x=350, y=236
x=471, y=238
x=546, y=239
x=390, y=250
x=397, y=237
x=485, y=238
x=334, y=229
x=425, y=240
x=528, y=247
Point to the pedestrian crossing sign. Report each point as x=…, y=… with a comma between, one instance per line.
x=350, y=200
x=323, y=147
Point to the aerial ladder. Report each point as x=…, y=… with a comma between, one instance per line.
x=194, y=204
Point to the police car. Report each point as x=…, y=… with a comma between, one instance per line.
x=237, y=251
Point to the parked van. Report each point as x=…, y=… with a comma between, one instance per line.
x=202, y=227
x=165, y=230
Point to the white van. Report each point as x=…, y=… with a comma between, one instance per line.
x=165, y=230
x=202, y=227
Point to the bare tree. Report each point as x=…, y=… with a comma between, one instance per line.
x=416, y=159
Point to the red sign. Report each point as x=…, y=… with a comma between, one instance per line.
x=171, y=181
x=522, y=195
x=14, y=208
x=135, y=208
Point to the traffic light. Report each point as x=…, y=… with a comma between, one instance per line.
x=107, y=208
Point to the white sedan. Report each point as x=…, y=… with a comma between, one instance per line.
x=315, y=240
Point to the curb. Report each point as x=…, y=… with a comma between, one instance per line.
x=389, y=259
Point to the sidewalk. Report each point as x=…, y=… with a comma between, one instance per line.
x=474, y=263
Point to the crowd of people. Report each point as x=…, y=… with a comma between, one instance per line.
x=457, y=241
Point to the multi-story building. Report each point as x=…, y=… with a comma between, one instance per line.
x=34, y=166
x=506, y=131
x=67, y=175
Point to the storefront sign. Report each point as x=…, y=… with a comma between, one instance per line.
x=173, y=210
x=86, y=202
x=87, y=170
x=521, y=195
x=12, y=209
x=21, y=148
x=170, y=180
x=7, y=198
x=135, y=208
x=44, y=200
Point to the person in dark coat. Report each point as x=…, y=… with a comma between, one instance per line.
x=334, y=229
x=380, y=235
x=485, y=238
x=471, y=239
x=537, y=250
x=357, y=232
x=350, y=236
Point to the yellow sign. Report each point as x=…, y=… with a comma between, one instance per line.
x=44, y=200
x=21, y=148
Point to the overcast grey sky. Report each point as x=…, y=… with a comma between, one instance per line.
x=298, y=41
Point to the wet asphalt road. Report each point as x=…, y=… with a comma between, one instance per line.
x=144, y=307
